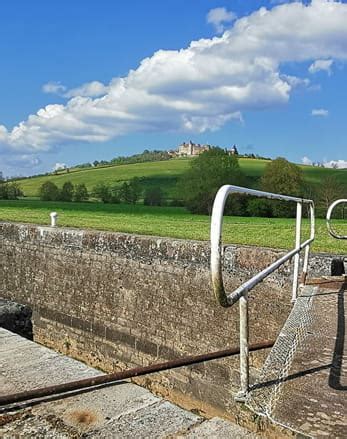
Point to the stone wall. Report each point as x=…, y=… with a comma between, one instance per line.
x=116, y=301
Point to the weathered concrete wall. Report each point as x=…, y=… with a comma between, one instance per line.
x=117, y=300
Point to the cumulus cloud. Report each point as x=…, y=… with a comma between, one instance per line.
x=198, y=88
x=219, y=17
x=321, y=64
x=337, y=164
x=321, y=112
x=90, y=89
x=59, y=166
x=306, y=161
x=54, y=88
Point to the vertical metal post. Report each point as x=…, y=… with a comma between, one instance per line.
x=307, y=249
x=305, y=266
x=297, y=245
x=54, y=217
x=244, y=351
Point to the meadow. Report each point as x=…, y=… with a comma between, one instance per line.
x=170, y=222
x=162, y=173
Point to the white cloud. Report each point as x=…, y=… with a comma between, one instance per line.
x=306, y=161
x=219, y=17
x=198, y=88
x=338, y=164
x=294, y=81
x=22, y=160
x=59, y=166
x=321, y=65
x=90, y=89
x=53, y=88
x=320, y=112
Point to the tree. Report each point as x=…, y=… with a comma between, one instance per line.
x=102, y=191
x=259, y=207
x=207, y=173
x=67, y=191
x=330, y=190
x=81, y=193
x=49, y=191
x=13, y=191
x=153, y=196
x=282, y=177
x=10, y=190
x=130, y=192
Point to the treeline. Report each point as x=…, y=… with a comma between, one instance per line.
x=10, y=190
x=49, y=191
x=145, y=156
x=128, y=193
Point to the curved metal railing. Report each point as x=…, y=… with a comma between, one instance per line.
x=241, y=293
x=329, y=212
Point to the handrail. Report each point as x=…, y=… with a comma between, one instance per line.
x=241, y=293
x=329, y=212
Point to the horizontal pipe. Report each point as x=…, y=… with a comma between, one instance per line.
x=118, y=376
x=251, y=283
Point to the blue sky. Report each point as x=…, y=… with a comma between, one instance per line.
x=272, y=82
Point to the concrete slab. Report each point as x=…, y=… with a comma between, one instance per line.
x=217, y=428
x=123, y=410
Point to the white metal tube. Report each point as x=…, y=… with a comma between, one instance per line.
x=54, y=217
x=216, y=246
x=297, y=255
x=251, y=283
x=307, y=249
x=216, y=233
x=244, y=351
x=329, y=212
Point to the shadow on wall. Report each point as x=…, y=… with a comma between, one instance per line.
x=16, y=318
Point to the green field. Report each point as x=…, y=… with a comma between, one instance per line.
x=169, y=221
x=163, y=174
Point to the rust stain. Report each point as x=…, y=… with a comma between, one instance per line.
x=329, y=282
x=82, y=418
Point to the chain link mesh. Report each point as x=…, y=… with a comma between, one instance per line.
x=265, y=393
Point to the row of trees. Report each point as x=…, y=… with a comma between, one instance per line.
x=129, y=193
x=9, y=190
x=145, y=156
x=49, y=191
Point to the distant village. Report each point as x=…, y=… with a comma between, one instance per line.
x=193, y=149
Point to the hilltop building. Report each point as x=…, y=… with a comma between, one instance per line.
x=194, y=149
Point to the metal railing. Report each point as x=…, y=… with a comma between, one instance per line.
x=241, y=293
x=329, y=212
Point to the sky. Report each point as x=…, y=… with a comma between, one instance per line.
x=92, y=80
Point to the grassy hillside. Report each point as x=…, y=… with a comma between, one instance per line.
x=163, y=173
x=169, y=221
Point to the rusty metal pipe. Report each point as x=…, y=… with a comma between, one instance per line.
x=118, y=376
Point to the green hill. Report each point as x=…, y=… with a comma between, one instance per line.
x=162, y=173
